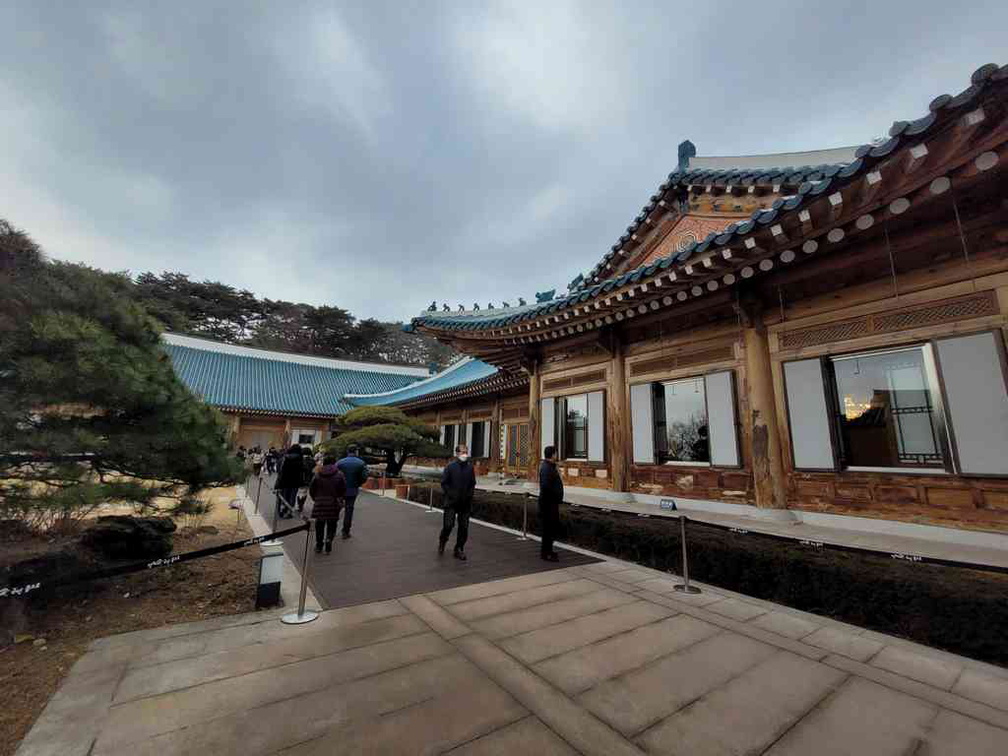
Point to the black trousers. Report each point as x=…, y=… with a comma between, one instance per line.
x=325, y=530
x=348, y=505
x=549, y=520
x=449, y=523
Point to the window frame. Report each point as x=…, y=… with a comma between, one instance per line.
x=560, y=420
x=449, y=442
x=935, y=389
x=484, y=453
x=1000, y=345
x=935, y=384
x=702, y=377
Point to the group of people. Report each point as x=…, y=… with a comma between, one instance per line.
x=256, y=458
x=334, y=486
x=458, y=481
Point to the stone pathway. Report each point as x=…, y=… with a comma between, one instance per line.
x=600, y=659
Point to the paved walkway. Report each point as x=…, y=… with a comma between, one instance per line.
x=393, y=553
x=600, y=659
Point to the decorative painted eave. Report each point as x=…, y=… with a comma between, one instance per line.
x=456, y=376
x=956, y=141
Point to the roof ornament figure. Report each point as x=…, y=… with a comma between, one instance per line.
x=433, y=306
x=687, y=150
x=576, y=283
x=461, y=308
x=522, y=302
x=445, y=307
x=505, y=305
x=476, y=307
x=545, y=296
x=490, y=305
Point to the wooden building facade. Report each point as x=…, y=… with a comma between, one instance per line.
x=818, y=331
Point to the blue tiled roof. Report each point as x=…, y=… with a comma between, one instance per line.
x=811, y=182
x=281, y=386
x=462, y=373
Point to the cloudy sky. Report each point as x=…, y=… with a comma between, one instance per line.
x=378, y=155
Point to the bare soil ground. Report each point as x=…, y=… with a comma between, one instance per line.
x=56, y=634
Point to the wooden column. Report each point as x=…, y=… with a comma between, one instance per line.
x=495, y=426
x=617, y=416
x=235, y=429
x=764, y=439
x=535, y=453
x=288, y=441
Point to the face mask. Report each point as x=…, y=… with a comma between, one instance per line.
x=463, y=457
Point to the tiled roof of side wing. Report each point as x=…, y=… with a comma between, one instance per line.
x=816, y=181
x=242, y=382
x=460, y=374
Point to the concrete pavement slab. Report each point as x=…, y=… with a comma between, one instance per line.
x=983, y=687
x=527, y=736
x=266, y=729
x=430, y=727
x=578, y=727
x=953, y=734
x=861, y=717
x=468, y=611
x=783, y=623
x=536, y=645
x=748, y=713
x=298, y=644
x=439, y=620
x=736, y=609
x=147, y=717
x=583, y=668
x=640, y=699
x=843, y=643
x=940, y=673
x=542, y=615
x=507, y=585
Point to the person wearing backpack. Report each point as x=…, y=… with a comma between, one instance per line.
x=355, y=471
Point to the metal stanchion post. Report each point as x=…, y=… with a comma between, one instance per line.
x=524, y=533
x=685, y=586
x=258, y=491
x=430, y=500
x=302, y=616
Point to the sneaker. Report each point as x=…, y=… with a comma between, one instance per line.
x=440, y=548
x=346, y=536
x=328, y=547
x=318, y=549
x=460, y=555
x=551, y=557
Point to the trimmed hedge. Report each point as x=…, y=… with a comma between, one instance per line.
x=960, y=610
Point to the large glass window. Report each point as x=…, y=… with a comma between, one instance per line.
x=886, y=410
x=476, y=445
x=680, y=418
x=573, y=422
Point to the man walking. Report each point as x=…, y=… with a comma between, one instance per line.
x=458, y=481
x=289, y=480
x=355, y=471
x=551, y=492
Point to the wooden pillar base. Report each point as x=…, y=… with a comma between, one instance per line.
x=764, y=439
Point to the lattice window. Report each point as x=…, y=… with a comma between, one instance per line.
x=848, y=329
x=903, y=319
x=675, y=361
x=571, y=381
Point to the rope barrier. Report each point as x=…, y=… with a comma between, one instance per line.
x=14, y=591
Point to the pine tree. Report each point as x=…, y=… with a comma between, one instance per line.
x=90, y=408
x=388, y=432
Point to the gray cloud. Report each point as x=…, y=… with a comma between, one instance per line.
x=379, y=155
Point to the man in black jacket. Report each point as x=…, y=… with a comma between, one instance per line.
x=458, y=481
x=551, y=492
